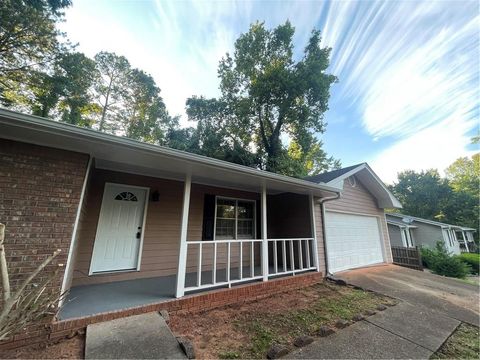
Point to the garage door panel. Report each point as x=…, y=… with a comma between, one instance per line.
x=353, y=241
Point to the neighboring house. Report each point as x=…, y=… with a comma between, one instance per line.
x=140, y=224
x=410, y=231
x=356, y=232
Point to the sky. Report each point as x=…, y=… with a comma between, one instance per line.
x=408, y=90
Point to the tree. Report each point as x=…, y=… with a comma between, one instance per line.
x=143, y=114
x=423, y=194
x=28, y=40
x=267, y=96
x=76, y=105
x=110, y=86
x=464, y=174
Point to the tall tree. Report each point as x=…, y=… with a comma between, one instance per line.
x=111, y=86
x=144, y=116
x=28, y=40
x=464, y=174
x=268, y=96
x=76, y=104
x=424, y=194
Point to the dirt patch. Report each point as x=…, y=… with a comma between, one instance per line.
x=248, y=330
x=65, y=349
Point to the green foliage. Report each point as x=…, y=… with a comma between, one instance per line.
x=471, y=259
x=464, y=174
x=267, y=97
x=28, y=42
x=442, y=263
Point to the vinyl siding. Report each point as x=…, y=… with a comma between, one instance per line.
x=357, y=199
x=426, y=234
x=287, y=215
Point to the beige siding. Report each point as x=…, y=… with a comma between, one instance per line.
x=320, y=238
x=358, y=200
x=162, y=228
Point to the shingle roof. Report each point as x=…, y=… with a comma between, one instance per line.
x=330, y=175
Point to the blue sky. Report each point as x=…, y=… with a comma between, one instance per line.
x=408, y=90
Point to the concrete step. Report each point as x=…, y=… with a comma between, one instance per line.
x=145, y=336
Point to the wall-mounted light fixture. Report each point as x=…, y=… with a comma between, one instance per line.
x=155, y=196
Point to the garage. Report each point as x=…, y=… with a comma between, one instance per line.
x=352, y=241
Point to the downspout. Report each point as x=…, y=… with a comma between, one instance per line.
x=322, y=201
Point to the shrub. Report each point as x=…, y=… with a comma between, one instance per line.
x=471, y=259
x=441, y=262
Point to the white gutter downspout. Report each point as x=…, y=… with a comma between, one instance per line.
x=322, y=207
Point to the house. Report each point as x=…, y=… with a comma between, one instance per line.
x=356, y=232
x=143, y=227
x=411, y=231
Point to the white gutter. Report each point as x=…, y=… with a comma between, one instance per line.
x=46, y=125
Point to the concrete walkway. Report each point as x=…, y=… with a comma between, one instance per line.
x=400, y=332
x=145, y=336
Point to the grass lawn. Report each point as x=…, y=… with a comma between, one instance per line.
x=464, y=343
x=248, y=330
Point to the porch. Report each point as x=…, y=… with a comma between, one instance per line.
x=191, y=237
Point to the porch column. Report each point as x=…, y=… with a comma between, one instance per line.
x=182, y=254
x=264, y=234
x=314, y=230
x=465, y=241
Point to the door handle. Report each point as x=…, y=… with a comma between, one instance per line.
x=139, y=234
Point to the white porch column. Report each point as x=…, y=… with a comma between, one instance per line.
x=264, y=233
x=314, y=231
x=182, y=254
x=465, y=241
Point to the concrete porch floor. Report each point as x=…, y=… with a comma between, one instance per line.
x=93, y=299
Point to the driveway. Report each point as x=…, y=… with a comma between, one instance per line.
x=450, y=297
x=430, y=309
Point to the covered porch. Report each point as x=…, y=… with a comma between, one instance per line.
x=193, y=235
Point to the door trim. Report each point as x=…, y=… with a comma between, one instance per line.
x=144, y=221
x=379, y=224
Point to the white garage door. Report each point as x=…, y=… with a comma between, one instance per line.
x=352, y=241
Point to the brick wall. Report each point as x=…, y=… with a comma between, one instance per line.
x=39, y=194
x=188, y=304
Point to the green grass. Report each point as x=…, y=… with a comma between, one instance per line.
x=267, y=329
x=464, y=343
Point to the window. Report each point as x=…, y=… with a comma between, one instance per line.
x=235, y=219
x=126, y=196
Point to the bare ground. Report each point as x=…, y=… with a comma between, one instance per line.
x=249, y=329
x=65, y=349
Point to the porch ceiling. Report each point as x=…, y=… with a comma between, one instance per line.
x=122, y=154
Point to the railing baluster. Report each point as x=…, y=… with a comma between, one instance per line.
x=275, y=261
x=214, y=275
x=252, y=260
x=308, y=253
x=240, y=267
x=228, y=261
x=300, y=254
x=292, y=259
x=199, y=271
x=284, y=251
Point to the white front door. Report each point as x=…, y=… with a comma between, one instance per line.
x=352, y=241
x=119, y=230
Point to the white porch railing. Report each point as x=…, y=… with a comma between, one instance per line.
x=213, y=267
x=225, y=262
x=291, y=256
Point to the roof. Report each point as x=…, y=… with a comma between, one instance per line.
x=330, y=175
x=426, y=221
x=123, y=154
x=368, y=178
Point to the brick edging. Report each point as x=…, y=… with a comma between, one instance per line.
x=187, y=304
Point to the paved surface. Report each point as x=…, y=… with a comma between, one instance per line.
x=145, y=336
x=449, y=297
x=430, y=309
x=400, y=332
